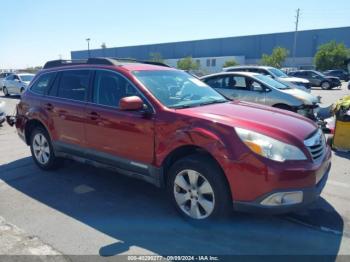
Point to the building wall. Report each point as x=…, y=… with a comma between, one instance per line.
x=250, y=47
x=210, y=64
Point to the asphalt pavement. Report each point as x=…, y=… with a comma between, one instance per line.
x=81, y=210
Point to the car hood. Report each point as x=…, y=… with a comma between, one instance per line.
x=305, y=97
x=334, y=78
x=295, y=80
x=277, y=123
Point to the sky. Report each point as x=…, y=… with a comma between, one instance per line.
x=35, y=31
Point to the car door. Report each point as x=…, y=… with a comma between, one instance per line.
x=65, y=106
x=9, y=83
x=121, y=138
x=314, y=78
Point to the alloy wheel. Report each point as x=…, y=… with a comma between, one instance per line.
x=41, y=149
x=325, y=85
x=194, y=194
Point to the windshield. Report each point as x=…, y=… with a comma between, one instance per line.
x=177, y=89
x=271, y=82
x=318, y=73
x=278, y=73
x=26, y=78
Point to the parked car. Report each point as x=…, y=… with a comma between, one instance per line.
x=340, y=73
x=318, y=79
x=274, y=73
x=2, y=78
x=15, y=84
x=2, y=112
x=169, y=128
x=261, y=89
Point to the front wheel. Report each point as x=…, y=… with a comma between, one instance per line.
x=325, y=85
x=5, y=91
x=198, y=189
x=42, y=150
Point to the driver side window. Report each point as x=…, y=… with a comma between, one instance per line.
x=257, y=87
x=109, y=88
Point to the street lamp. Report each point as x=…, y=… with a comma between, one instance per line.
x=88, y=42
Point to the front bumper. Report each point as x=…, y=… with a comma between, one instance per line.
x=308, y=111
x=2, y=118
x=310, y=195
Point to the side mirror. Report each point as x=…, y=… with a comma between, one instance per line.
x=131, y=103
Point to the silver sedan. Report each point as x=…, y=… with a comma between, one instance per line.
x=261, y=89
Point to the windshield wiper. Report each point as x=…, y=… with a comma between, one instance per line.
x=182, y=106
x=213, y=102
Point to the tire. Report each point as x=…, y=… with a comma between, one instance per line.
x=5, y=91
x=42, y=150
x=325, y=85
x=187, y=195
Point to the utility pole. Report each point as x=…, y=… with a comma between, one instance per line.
x=88, y=42
x=296, y=35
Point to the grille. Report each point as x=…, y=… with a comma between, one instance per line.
x=316, y=145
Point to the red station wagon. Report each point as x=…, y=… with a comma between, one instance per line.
x=164, y=126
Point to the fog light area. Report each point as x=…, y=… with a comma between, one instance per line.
x=283, y=198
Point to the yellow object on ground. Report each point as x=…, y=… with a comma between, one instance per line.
x=343, y=102
x=341, y=140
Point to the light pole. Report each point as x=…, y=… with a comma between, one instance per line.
x=296, y=35
x=88, y=42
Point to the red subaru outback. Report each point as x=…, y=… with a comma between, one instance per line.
x=168, y=128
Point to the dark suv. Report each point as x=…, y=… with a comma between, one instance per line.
x=317, y=78
x=164, y=126
x=340, y=73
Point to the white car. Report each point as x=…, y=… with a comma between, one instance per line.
x=15, y=84
x=2, y=78
x=277, y=74
x=2, y=112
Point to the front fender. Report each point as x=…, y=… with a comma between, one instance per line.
x=210, y=141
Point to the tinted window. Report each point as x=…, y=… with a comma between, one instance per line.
x=110, y=87
x=15, y=77
x=74, y=84
x=10, y=77
x=43, y=83
x=218, y=82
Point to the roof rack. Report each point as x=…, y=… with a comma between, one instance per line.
x=99, y=61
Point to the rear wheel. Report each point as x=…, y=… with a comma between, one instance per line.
x=42, y=150
x=5, y=91
x=325, y=85
x=198, y=189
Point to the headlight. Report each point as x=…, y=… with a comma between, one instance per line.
x=269, y=147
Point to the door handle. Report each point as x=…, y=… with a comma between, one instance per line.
x=94, y=116
x=49, y=106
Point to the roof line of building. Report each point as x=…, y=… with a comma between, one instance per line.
x=217, y=38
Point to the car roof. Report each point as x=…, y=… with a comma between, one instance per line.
x=110, y=63
x=231, y=73
x=248, y=67
x=21, y=74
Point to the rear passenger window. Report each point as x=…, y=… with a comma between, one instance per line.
x=42, y=84
x=74, y=84
x=109, y=88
